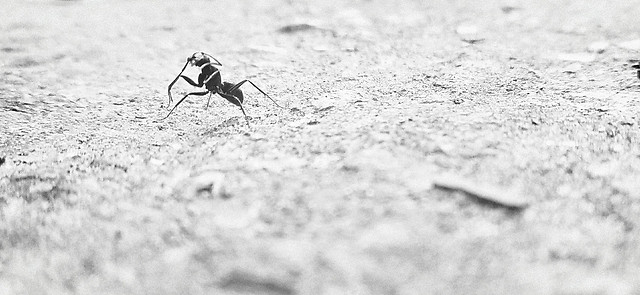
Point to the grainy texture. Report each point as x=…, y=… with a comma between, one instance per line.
x=333, y=194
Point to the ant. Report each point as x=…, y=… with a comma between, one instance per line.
x=211, y=79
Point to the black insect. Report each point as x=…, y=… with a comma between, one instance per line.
x=211, y=79
x=637, y=67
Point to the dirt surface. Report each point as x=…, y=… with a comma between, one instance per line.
x=334, y=193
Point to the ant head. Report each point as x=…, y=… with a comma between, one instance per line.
x=199, y=58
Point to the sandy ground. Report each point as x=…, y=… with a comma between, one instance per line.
x=338, y=192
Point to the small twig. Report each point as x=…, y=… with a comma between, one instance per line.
x=486, y=193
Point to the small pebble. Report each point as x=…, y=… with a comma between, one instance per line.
x=598, y=47
x=572, y=68
x=211, y=181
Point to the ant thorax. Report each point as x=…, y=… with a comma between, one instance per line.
x=208, y=70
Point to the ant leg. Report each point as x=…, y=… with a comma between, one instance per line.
x=234, y=88
x=207, y=81
x=245, y=116
x=174, y=82
x=229, y=96
x=208, y=100
x=188, y=81
x=179, y=102
x=192, y=82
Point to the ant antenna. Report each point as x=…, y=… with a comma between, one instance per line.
x=174, y=82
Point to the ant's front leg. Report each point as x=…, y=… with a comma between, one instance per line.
x=188, y=81
x=185, y=97
x=199, y=84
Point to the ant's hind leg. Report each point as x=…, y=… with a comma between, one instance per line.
x=236, y=101
x=237, y=86
x=245, y=116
